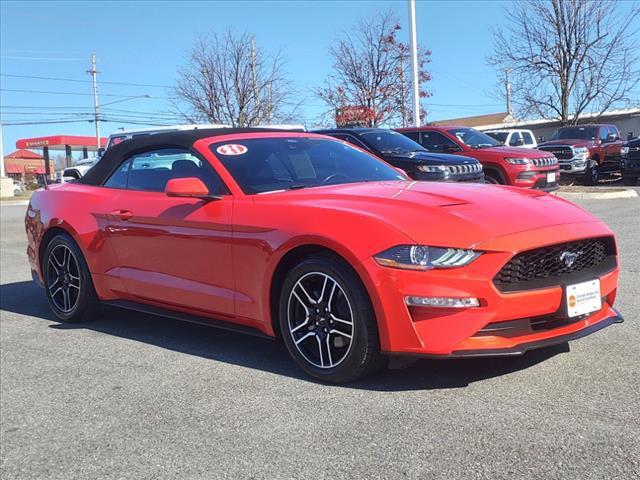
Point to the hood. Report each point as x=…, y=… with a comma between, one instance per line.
x=442, y=214
x=424, y=157
x=510, y=152
x=575, y=142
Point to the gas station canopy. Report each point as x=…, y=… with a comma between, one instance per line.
x=61, y=142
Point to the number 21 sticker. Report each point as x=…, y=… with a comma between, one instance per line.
x=231, y=149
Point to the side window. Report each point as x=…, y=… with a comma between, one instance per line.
x=354, y=141
x=603, y=133
x=528, y=138
x=436, y=142
x=515, y=139
x=415, y=136
x=150, y=171
x=614, y=131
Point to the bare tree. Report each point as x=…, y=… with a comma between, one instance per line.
x=568, y=57
x=371, y=71
x=228, y=79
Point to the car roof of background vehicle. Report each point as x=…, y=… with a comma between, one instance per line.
x=115, y=155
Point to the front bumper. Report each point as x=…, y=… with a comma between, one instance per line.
x=460, y=332
x=538, y=179
x=446, y=177
x=574, y=166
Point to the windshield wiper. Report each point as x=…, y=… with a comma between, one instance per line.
x=298, y=186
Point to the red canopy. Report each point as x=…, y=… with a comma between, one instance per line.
x=14, y=169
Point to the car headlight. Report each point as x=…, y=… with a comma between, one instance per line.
x=432, y=168
x=624, y=151
x=518, y=161
x=423, y=257
x=580, y=152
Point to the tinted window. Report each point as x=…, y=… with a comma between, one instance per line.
x=528, y=138
x=268, y=164
x=150, y=171
x=499, y=136
x=578, y=133
x=515, y=139
x=473, y=138
x=437, y=142
x=389, y=142
x=415, y=136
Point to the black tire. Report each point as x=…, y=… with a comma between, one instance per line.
x=492, y=178
x=65, y=269
x=327, y=354
x=629, y=181
x=592, y=175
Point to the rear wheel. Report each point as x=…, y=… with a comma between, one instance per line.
x=68, y=285
x=327, y=322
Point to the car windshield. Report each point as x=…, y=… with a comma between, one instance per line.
x=499, y=136
x=389, y=142
x=262, y=165
x=473, y=138
x=578, y=133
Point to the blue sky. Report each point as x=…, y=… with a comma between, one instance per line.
x=144, y=42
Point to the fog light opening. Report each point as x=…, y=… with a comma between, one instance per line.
x=442, y=302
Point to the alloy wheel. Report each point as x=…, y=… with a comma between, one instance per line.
x=63, y=278
x=320, y=320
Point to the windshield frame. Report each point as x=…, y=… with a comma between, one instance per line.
x=225, y=167
x=491, y=142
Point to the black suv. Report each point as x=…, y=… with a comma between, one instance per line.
x=415, y=160
x=630, y=161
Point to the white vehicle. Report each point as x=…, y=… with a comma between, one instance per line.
x=17, y=187
x=74, y=173
x=514, y=137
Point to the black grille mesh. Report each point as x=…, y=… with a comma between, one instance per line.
x=545, y=266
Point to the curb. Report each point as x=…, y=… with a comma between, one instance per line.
x=626, y=193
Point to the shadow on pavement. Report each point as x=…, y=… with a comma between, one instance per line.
x=26, y=298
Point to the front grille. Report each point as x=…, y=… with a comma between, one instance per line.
x=464, y=169
x=544, y=162
x=561, y=152
x=634, y=153
x=559, y=264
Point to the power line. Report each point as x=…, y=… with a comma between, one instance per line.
x=73, y=93
x=84, y=81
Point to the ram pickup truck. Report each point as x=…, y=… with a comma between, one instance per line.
x=630, y=162
x=515, y=166
x=586, y=151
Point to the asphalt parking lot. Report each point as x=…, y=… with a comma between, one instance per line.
x=134, y=396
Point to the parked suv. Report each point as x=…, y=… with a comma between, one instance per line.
x=519, y=167
x=586, y=151
x=409, y=156
x=514, y=137
x=630, y=161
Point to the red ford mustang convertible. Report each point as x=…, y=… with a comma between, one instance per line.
x=307, y=238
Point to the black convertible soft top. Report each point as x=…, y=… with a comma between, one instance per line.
x=117, y=154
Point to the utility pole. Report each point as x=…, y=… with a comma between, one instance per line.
x=93, y=72
x=507, y=86
x=414, y=62
x=1, y=154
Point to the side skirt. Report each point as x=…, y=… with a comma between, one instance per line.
x=209, y=322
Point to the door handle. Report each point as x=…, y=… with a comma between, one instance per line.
x=122, y=214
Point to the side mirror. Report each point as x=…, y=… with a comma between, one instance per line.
x=190, y=187
x=611, y=138
x=519, y=142
x=540, y=139
x=629, y=135
x=100, y=152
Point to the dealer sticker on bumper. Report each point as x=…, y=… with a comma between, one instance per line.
x=551, y=177
x=583, y=298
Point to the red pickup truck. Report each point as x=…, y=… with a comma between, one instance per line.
x=586, y=151
x=519, y=167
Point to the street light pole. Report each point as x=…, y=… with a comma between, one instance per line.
x=93, y=72
x=414, y=62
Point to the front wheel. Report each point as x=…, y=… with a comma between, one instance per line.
x=327, y=322
x=592, y=175
x=67, y=281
